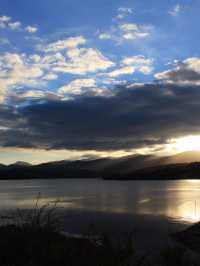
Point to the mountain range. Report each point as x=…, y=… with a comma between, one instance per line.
x=182, y=165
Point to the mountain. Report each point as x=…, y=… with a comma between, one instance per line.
x=182, y=165
x=131, y=167
x=20, y=164
x=184, y=157
x=163, y=172
x=126, y=165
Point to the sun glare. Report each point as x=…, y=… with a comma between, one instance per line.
x=189, y=143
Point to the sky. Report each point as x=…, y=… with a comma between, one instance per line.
x=88, y=79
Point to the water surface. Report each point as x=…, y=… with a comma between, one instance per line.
x=175, y=200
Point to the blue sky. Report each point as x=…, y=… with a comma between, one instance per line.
x=67, y=50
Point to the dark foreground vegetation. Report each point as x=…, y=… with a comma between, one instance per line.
x=35, y=238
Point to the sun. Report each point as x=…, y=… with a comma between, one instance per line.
x=188, y=143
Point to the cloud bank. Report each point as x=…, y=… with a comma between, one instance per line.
x=134, y=117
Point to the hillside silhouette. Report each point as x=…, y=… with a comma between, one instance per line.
x=183, y=165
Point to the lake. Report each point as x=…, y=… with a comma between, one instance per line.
x=152, y=209
x=176, y=200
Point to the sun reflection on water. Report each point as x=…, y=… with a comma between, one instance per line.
x=189, y=212
x=178, y=200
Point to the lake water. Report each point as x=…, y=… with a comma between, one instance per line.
x=152, y=209
x=175, y=200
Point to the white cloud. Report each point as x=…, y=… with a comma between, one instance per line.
x=105, y=36
x=193, y=63
x=77, y=86
x=137, y=60
x=15, y=70
x=7, y=23
x=52, y=60
x=5, y=19
x=127, y=70
x=127, y=32
x=18, y=71
x=87, y=87
x=175, y=10
x=140, y=63
x=35, y=58
x=31, y=29
x=131, y=64
x=145, y=70
x=84, y=60
x=129, y=27
x=113, y=81
x=124, y=12
x=65, y=56
x=50, y=76
x=133, y=31
x=135, y=35
x=32, y=94
x=15, y=25
x=68, y=43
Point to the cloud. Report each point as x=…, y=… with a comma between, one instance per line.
x=71, y=42
x=52, y=60
x=127, y=32
x=146, y=70
x=84, y=60
x=5, y=19
x=77, y=86
x=185, y=72
x=35, y=58
x=83, y=87
x=31, y=29
x=129, y=27
x=105, y=36
x=21, y=70
x=26, y=97
x=7, y=23
x=133, y=31
x=15, y=25
x=31, y=94
x=16, y=70
x=133, y=118
x=140, y=63
x=19, y=73
x=175, y=10
x=50, y=76
x=137, y=60
x=127, y=70
x=65, y=56
x=131, y=64
x=124, y=12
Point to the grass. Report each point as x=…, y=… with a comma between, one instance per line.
x=35, y=238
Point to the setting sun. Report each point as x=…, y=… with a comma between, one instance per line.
x=189, y=143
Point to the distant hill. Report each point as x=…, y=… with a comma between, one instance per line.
x=163, y=172
x=20, y=164
x=126, y=165
x=184, y=157
x=183, y=165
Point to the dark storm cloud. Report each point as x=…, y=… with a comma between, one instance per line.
x=133, y=118
x=184, y=72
